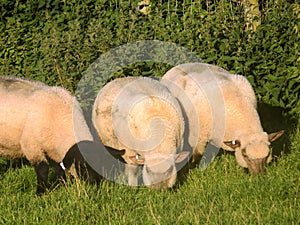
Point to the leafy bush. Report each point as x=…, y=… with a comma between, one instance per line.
x=56, y=41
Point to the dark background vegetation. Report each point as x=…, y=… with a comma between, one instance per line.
x=55, y=41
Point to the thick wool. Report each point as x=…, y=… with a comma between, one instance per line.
x=141, y=116
x=225, y=106
x=38, y=121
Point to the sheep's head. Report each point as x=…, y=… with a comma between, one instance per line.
x=254, y=154
x=159, y=170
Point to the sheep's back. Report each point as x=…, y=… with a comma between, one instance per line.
x=133, y=103
x=245, y=88
x=21, y=86
x=38, y=117
x=209, y=88
x=102, y=110
x=15, y=106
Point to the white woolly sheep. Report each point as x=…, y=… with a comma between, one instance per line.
x=39, y=122
x=226, y=110
x=140, y=115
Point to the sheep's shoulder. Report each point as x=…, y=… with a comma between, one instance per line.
x=63, y=94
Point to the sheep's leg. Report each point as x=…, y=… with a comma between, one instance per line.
x=42, y=170
x=58, y=175
x=198, y=152
x=131, y=172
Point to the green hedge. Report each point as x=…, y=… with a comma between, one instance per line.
x=55, y=41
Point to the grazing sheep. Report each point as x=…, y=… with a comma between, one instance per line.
x=140, y=115
x=227, y=115
x=39, y=122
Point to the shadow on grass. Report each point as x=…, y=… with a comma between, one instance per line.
x=274, y=119
x=12, y=164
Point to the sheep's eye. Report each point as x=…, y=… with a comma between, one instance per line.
x=138, y=157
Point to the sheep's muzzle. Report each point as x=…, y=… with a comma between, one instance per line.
x=256, y=166
x=160, y=186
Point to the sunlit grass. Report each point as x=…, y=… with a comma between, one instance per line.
x=222, y=194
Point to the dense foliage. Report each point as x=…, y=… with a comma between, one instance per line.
x=55, y=41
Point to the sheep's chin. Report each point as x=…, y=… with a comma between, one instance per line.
x=257, y=166
x=159, y=180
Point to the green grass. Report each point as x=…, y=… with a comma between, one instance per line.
x=222, y=194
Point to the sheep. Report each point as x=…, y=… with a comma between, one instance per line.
x=140, y=115
x=227, y=112
x=39, y=122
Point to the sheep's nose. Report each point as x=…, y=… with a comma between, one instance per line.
x=159, y=186
x=257, y=166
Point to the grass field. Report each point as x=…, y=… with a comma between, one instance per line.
x=221, y=194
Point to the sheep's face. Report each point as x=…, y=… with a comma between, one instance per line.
x=160, y=174
x=254, y=154
x=254, y=157
x=160, y=171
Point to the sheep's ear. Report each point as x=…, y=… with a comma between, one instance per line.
x=233, y=144
x=138, y=159
x=181, y=156
x=275, y=136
